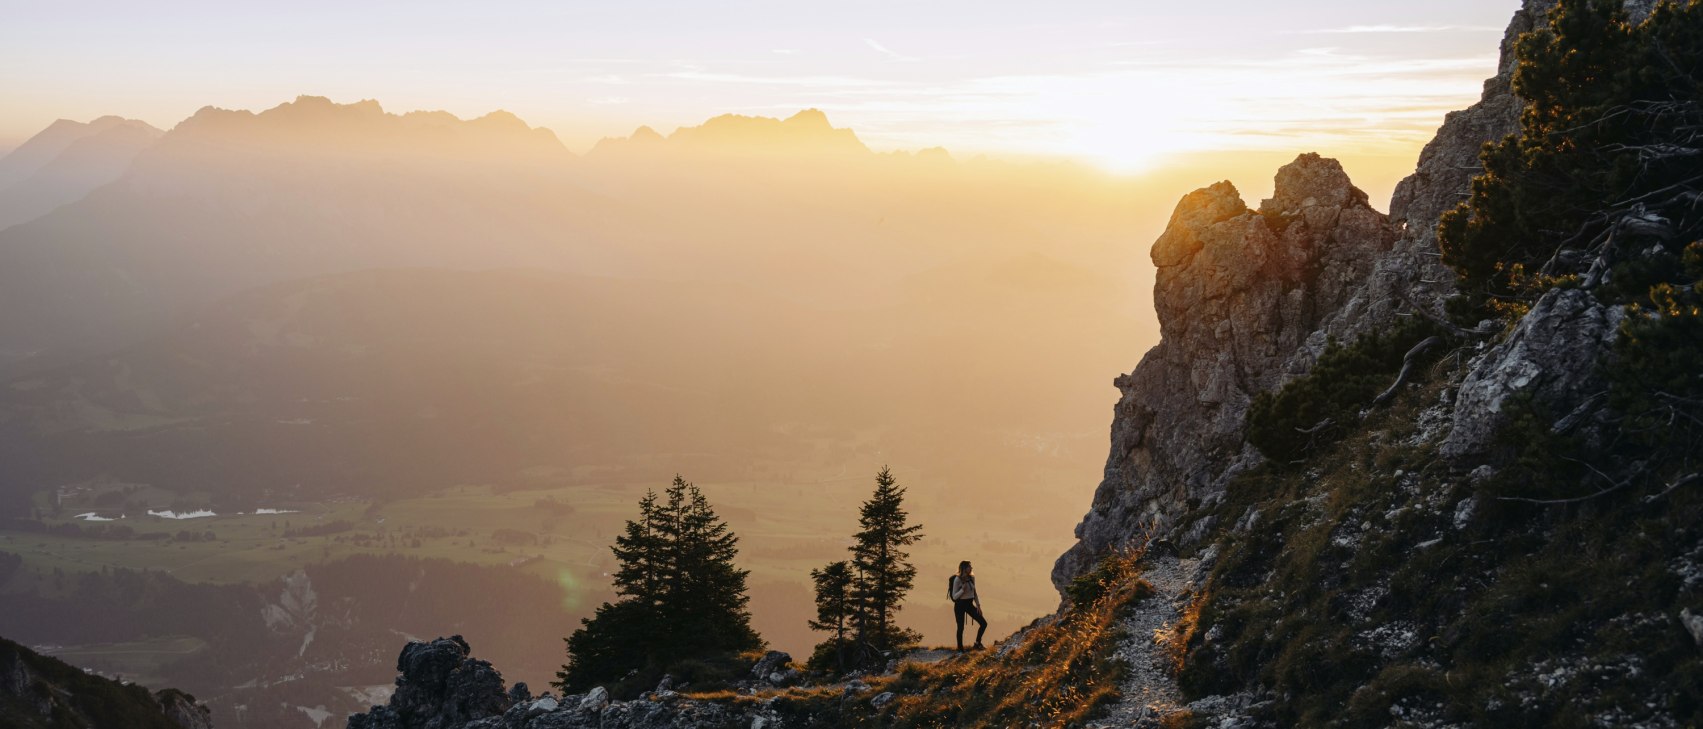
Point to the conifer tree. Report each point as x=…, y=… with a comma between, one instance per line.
x=682, y=595
x=883, y=569
x=834, y=612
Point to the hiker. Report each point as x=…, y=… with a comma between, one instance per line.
x=962, y=589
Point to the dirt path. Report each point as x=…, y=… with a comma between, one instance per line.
x=1150, y=691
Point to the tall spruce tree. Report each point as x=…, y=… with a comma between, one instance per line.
x=682, y=595
x=884, y=573
x=834, y=612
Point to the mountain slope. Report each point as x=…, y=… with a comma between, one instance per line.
x=1422, y=522
x=40, y=150
x=37, y=691
x=82, y=159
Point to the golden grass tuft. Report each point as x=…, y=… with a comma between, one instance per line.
x=1058, y=674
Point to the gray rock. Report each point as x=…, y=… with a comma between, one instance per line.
x=595, y=700
x=440, y=686
x=771, y=662
x=1241, y=298
x=883, y=699
x=1693, y=625
x=182, y=709
x=1464, y=511
x=1552, y=357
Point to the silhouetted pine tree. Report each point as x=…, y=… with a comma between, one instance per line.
x=682, y=596
x=883, y=568
x=834, y=611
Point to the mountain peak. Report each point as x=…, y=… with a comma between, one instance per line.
x=809, y=118
x=806, y=133
x=323, y=125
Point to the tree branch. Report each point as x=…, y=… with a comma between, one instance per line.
x=1406, y=369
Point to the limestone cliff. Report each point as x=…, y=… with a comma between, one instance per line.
x=1247, y=301
x=1245, y=298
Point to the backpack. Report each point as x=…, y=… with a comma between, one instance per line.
x=951, y=587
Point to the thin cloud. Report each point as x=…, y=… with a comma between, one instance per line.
x=885, y=51
x=1387, y=28
x=738, y=78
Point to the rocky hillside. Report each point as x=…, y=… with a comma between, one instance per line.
x=1392, y=509
x=38, y=691
x=1247, y=300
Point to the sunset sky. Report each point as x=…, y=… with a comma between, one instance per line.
x=1120, y=84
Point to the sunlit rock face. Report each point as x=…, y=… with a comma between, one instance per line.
x=1239, y=296
x=1249, y=300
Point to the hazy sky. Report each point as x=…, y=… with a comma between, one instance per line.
x=1121, y=83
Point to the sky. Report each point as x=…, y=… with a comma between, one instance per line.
x=1123, y=84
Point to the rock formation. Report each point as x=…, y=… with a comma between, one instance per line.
x=1247, y=301
x=441, y=686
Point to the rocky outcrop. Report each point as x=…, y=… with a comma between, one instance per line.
x=1243, y=299
x=1247, y=301
x=440, y=686
x=37, y=690
x=182, y=710
x=1549, y=359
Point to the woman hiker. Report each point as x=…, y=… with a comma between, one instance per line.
x=962, y=589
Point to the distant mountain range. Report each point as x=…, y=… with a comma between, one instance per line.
x=232, y=200
x=326, y=297
x=805, y=134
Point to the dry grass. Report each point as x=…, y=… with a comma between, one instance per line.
x=1175, y=641
x=1057, y=675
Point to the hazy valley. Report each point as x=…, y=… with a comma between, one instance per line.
x=456, y=340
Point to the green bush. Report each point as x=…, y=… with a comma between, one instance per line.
x=1317, y=409
x=1610, y=108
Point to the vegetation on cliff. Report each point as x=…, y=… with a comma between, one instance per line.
x=1548, y=581
x=45, y=692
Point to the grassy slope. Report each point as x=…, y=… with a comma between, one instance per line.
x=1377, y=585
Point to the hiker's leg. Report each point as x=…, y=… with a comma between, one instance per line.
x=958, y=612
x=982, y=625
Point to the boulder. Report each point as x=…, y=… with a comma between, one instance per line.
x=1552, y=358
x=1694, y=625
x=182, y=709
x=595, y=700
x=440, y=686
x=771, y=663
